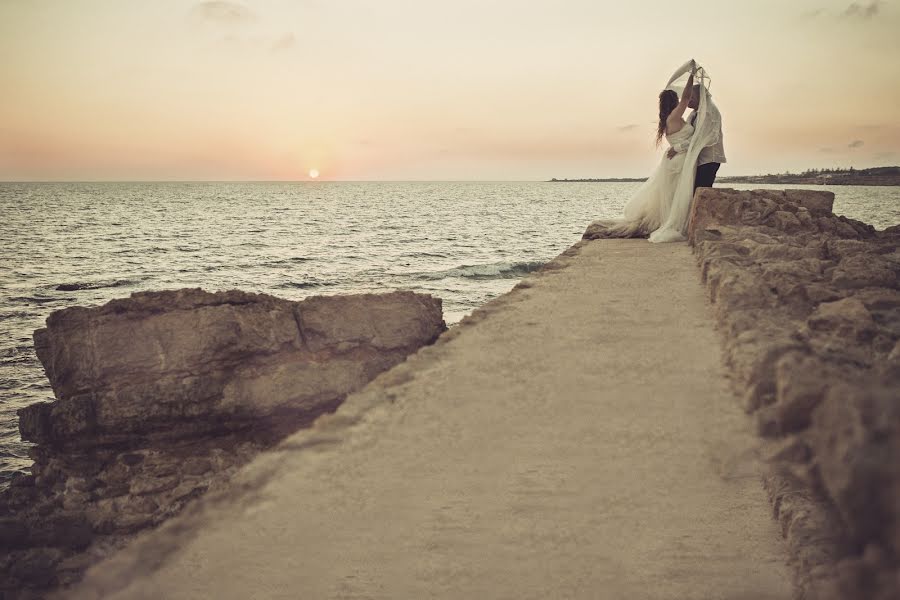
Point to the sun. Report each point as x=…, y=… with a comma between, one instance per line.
x=313, y=173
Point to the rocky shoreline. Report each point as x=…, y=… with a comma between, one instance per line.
x=163, y=396
x=808, y=305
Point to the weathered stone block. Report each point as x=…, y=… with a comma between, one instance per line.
x=189, y=361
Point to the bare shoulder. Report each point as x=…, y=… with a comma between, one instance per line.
x=674, y=125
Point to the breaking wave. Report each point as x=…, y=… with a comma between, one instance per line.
x=499, y=270
x=93, y=285
x=302, y=285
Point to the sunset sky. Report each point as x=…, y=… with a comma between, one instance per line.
x=423, y=89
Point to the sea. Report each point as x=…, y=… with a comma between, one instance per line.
x=83, y=244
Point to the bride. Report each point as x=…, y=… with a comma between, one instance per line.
x=660, y=208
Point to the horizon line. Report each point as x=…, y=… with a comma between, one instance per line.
x=20, y=181
x=6, y=181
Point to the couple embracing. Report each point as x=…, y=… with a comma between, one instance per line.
x=661, y=206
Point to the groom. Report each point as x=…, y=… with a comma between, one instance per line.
x=711, y=157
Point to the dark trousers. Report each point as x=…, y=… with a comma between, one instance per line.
x=706, y=175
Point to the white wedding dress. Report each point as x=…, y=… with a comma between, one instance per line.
x=650, y=206
x=661, y=206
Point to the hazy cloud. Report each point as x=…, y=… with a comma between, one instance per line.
x=285, y=42
x=628, y=127
x=222, y=12
x=864, y=10
x=855, y=144
x=232, y=40
x=812, y=14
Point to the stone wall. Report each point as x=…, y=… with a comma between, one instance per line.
x=163, y=395
x=809, y=307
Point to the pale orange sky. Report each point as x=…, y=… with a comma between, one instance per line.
x=422, y=89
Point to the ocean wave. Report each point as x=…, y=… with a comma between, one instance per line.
x=38, y=299
x=16, y=354
x=425, y=254
x=498, y=270
x=287, y=261
x=18, y=314
x=302, y=285
x=93, y=285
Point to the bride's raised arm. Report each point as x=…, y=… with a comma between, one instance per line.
x=678, y=113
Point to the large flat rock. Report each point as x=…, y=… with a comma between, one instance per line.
x=185, y=362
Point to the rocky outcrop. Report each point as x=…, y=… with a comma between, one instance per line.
x=160, y=397
x=809, y=306
x=598, y=230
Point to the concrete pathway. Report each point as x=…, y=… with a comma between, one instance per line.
x=575, y=439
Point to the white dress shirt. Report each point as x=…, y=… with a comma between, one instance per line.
x=716, y=152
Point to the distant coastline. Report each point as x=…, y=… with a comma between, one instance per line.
x=875, y=176
x=886, y=176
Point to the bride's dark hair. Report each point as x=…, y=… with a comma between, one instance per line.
x=668, y=100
